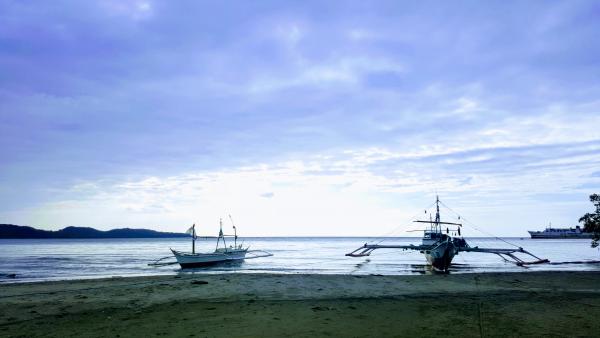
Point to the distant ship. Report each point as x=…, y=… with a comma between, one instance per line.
x=550, y=232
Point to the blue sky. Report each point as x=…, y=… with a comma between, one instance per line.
x=298, y=118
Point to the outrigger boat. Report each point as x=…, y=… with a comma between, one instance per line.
x=235, y=252
x=440, y=248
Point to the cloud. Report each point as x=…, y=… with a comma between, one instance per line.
x=347, y=191
x=142, y=106
x=136, y=10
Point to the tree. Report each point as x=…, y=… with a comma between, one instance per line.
x=591, y=221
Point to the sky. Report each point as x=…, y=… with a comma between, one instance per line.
x=299, y=118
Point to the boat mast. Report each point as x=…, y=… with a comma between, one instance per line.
x=234, y=237
x=437, y=214
x=194, y=238
x=234, y=233
x=431, y=224
x=221, y=236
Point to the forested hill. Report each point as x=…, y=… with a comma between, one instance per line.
x=19, y=231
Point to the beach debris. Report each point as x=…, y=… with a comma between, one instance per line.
x=199, y=282
x=322, y=308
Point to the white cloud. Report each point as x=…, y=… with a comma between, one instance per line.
x=134, y=9
x=340, y=71
x=361, y=34
x=297, y=203
x=331, y=194
x=466, y=106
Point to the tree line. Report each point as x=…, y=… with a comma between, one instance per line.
x=591, y=220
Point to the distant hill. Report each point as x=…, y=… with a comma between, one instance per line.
x=19, y=231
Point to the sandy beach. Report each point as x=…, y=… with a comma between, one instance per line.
x=260, y=305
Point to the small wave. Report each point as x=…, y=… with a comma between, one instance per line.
x=53, y=259
x=574, y=262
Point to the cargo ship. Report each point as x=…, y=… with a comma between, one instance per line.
x=551, y=232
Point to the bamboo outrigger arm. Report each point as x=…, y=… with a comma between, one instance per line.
x=504, y=253
x=439, y=248
x=367, y=249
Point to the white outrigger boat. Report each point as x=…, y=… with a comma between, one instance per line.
x=440, y=248
x=235, y=252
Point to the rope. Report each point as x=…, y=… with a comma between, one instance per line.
x=476, y=228
x=157, y=262
x=384, y=236
x=256, y=254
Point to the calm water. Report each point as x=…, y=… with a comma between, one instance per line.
x=52, y=259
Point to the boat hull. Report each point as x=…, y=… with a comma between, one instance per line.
x=440, y=257
x=189, y=260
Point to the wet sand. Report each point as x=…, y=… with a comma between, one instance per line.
x=260, y=305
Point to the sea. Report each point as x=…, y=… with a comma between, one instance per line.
x=32, y=260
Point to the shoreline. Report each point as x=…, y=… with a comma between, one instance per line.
x=470, y=304
x=192, y=273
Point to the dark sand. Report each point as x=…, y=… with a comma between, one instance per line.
x=252, y=305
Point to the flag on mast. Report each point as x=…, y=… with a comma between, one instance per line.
x=191, y=231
